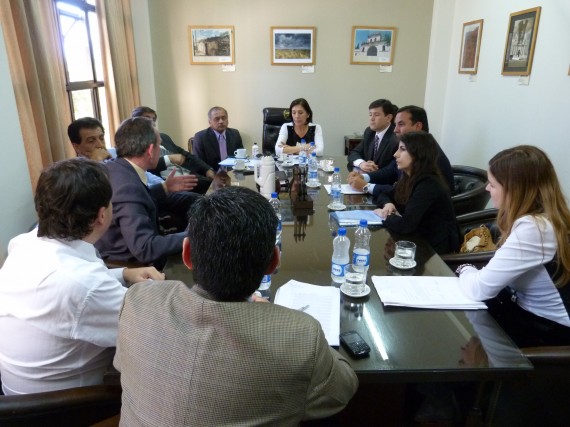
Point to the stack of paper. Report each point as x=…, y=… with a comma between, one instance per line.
x=321, y=302
x=423, y=292
x=346, y=189
x=353, y=217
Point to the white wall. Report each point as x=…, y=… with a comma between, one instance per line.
x=473, y=120
x=339, y=93
x=17, y=212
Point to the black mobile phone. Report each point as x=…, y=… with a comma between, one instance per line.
x=354, y=344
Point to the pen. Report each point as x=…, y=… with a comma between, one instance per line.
x=303, y=308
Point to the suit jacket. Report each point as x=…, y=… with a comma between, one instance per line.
x=365, y=150
x=428, y=212
x=214, y=371
x=193, y=163
x=206, y=145
x=134, y=233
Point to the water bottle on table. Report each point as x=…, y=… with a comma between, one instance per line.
x=254, y=150
x=336, y=190
x=276, y=205
x=340, y=257
x=264, y=289
x=313, y=180
x=361, y=250
x=303, y=154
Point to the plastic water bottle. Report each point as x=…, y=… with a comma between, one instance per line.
x=340, y=257
x=303, y=154
x=264, y=289
x=313, y=170
x=312, y=147
x=336, y=189
x=276, y=205
x=255, y=150
x=361, y=250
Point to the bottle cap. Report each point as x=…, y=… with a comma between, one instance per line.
x=342, y=231
x=336, y=170
x=312, y=142
x=274, y=195
x=363, y=223
x=313, y=154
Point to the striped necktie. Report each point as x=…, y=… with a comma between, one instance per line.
x=376, y=145
x=223, y=147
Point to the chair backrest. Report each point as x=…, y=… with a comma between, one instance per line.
x=469, y=194
x=80, y=406
x=273, y=119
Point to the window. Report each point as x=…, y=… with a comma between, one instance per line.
x=79, y=31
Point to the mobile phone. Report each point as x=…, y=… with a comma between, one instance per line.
x=354, y=344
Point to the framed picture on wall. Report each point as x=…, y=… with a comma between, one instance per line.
x=212, y=44
x=521, y=38
x=293, y=45
x=470, y=45
x=373, y=45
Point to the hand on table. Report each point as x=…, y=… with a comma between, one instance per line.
x=134, y=275
x=256, y=298
x=356, y=181
x=368, y=166
x=181, y=182
x=387, y=210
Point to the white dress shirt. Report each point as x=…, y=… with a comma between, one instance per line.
x=59, y=312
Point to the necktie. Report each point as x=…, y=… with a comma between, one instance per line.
x=376, y=145
x=223, y=147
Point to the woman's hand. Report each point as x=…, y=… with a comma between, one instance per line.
x=387, y=210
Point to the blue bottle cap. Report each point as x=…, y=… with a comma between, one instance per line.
x=336, y=170
x=313, y=154
x=342, y=231
x=274, y=195
x=363, y=223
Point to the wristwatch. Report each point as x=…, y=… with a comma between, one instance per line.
x=365, y=188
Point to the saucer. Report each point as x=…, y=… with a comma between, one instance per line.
x=240, y=169
x=365, y=292
x=287, y=164
x=313, y=185
x=339, y=208
x=393, y=263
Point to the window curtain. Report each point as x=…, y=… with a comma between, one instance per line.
x=119, y=60
x=36, y=68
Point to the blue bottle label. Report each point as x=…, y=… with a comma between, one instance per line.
x=338, y=269
x=361, y=259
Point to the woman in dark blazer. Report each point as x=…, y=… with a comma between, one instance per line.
x=419, y=202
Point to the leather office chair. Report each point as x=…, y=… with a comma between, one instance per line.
x=469, y=194
x=466, y=223
x=273, y=119
x=81, y=406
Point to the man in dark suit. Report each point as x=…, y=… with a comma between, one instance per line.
x=177, y=156
x=220, y=338
x=379, y=142
x=134, y=233
x=217, y=142
x=410, y=118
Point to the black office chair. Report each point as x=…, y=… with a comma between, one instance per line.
x=273, y=119
x=469, y=194
x=466, y=223
x=80, y=406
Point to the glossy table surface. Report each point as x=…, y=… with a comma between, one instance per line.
x=407, y=344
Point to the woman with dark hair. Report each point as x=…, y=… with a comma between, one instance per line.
x=526, y=280
x=301, y=128
x=420, y=202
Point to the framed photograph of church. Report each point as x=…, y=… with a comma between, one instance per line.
x=211, y=45
x=293, y=45
x=521, y=39
x=373, y=45
x=470, y=45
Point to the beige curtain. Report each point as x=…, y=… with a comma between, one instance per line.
x=119, y=60
x=36, y=68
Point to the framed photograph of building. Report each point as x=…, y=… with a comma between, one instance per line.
x=521, y=39
x=211, y=45
x=373, y=45
x=470, y=45
x=293, y=45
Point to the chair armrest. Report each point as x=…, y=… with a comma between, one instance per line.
x=548, y=355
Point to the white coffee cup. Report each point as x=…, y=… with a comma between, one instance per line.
x=239, y=165
x=404, y=254
x=240, y=153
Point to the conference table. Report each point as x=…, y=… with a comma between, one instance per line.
x=408, y=345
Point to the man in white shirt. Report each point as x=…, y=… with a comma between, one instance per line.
x=59, y=304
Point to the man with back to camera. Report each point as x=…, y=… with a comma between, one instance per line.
x=379, y=143
x=134, y=234
x=410, y=118
x=219, y=343
x=176, y=155
x=59, y=304
x=217, y=142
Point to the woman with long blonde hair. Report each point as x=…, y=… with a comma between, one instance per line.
x=526, y=280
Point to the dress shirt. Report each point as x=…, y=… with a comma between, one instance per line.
x=148, y=178
x=377, y=141
x=59, y=311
